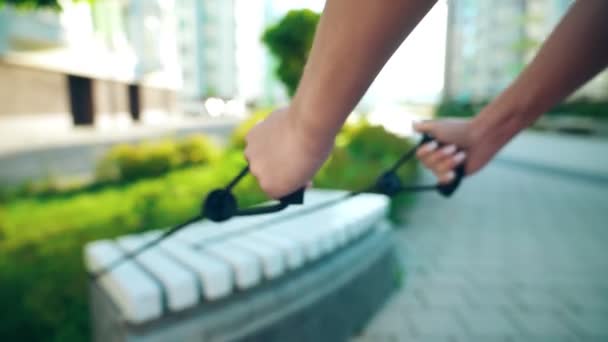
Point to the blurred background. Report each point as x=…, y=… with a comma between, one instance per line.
x=117, y=116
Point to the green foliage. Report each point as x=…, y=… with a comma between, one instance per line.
x=290, y=41
x=583, y=108
x=130, y=162
x=32, y=4
x=42, y=278
x=198, y=149
x=367, y=151
x=457, y=109
x=580, y=107
x=362, y=153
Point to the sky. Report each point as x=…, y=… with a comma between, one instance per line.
x=415, y=72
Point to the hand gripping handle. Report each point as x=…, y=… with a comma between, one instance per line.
x=459, y=172
x=221, y=204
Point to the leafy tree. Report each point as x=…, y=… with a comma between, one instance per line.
x=35, y=4
x=289, y=41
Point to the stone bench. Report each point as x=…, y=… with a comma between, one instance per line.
x=318, y=276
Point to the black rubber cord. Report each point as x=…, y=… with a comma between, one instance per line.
x=387, y=183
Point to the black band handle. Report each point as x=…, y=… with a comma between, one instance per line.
x=459, y=172
x=296, y=197
x=221, y=205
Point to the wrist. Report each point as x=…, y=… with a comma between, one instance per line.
x=498, y=122
x=316, y=140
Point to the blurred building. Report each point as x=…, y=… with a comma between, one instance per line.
x=490, y=42
x=206, y=37
x=220, y=49
x=87, y=63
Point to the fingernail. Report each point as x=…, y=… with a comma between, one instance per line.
x=449, y=176
x=449, y=149
x=432, y=146
x=459, y=157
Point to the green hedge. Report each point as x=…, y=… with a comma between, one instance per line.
x=42, y=279
x=581, y=107
x=128, y=162
x=457, y=109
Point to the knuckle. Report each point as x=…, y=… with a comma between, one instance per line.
x=447, y=165
x=434, y=158
x=255, y=171
x=426, y=163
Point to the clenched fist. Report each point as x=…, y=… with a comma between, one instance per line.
x=283, y=155
x=464, y=142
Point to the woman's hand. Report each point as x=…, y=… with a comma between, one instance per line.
x=283, y=155
x=463, y=141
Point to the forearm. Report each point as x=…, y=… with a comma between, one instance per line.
x=575, y=52
x=353, y=41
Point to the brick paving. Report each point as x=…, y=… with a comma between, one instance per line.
x=518, y=254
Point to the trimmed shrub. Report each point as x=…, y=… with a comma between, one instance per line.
x=198, y=149
x=128, y=162
x=579, y=107
x=366, y=152
x=457, y=109
x=583, y=108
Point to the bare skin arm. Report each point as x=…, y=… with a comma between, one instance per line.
x=354, y=40
x=575, y=51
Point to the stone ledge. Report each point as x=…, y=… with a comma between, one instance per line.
x=328, y=300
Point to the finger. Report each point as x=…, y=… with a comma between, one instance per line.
x=426, y=149
x=449, y=164
x=423, y=127
x=447, y=177
x=433, y=160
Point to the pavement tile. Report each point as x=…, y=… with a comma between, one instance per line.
x=488, y=323
x=437, y=323
x=590, y=325
x=515, y=255
x=543, y=324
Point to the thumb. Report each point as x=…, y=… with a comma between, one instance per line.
x=427, y=126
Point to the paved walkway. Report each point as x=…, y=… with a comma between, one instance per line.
x=518, y=254
x=37, y=153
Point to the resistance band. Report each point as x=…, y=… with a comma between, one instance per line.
x=221, y=204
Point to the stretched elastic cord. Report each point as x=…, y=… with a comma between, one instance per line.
x=406, y=157
x=373, y=188
x=237, y=179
